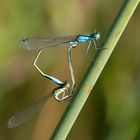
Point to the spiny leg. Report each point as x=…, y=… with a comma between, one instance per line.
x=62, y=93
x=55, y=80
x=87, y=50
x=65, y=95
x=71, y=69
x=95, y=46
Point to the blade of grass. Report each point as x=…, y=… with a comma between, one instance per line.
x=94, y=70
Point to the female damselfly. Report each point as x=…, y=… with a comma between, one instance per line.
x=60, y=93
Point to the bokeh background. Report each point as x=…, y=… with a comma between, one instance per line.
x=112, y=111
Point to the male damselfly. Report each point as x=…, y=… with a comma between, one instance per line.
x=72, y=41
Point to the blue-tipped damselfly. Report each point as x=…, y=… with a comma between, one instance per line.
x=72, y=41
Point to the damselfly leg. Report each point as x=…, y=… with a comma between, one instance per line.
x=88, y=47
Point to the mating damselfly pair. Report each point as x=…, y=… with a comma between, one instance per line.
x=64, y=89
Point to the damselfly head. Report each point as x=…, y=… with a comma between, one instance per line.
x=97, y=35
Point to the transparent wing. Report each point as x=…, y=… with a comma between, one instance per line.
x=26, y=114
x=41, y=43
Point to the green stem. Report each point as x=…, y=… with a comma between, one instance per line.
x=94, y=70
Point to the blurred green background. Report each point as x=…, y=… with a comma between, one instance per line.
x=112, y=110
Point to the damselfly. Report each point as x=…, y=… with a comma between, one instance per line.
x=42, y=43
x=72, y=41
x=60, y=93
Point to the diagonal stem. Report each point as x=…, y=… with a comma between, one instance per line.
x=95, y=70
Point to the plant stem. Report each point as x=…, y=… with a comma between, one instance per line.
x=94, y=70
